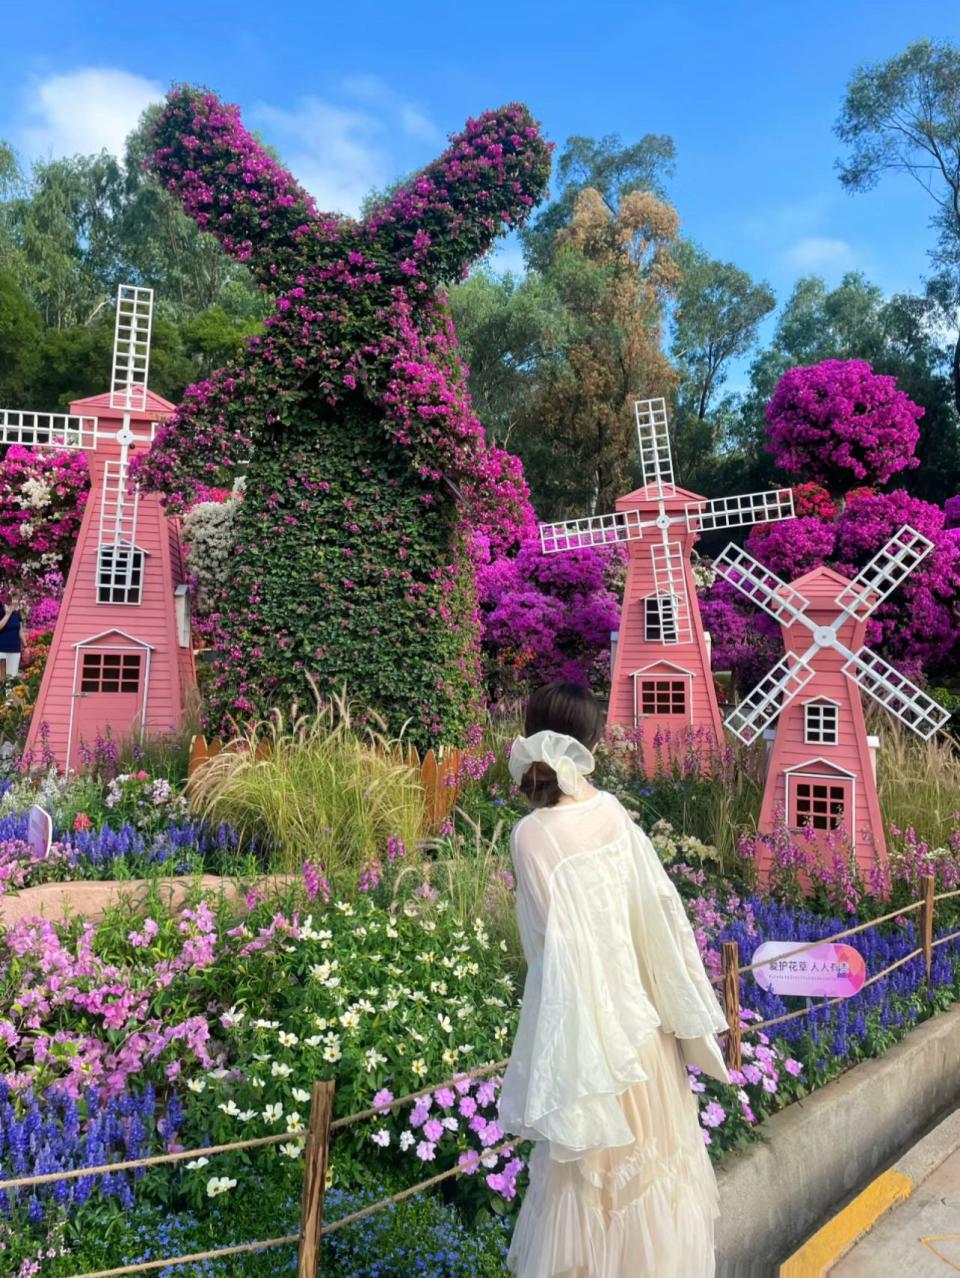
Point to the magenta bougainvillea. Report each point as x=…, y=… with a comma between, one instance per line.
x=917, y=628
x=369, y=476
x=840, y=423
x=547, y=617
x=42, y=495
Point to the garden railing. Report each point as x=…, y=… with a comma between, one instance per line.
x=732, y=970
x=322, y=1126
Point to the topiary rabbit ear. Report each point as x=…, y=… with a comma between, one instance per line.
x=484, y=184
x=228, y=182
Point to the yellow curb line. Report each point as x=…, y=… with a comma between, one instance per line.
x=821, y=1252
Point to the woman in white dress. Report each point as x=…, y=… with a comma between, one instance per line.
x=616, y=1004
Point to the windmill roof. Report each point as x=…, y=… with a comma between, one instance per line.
x=820, y=582
x=673, y=494
x=95, y=404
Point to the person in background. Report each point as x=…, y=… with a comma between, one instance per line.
x=616, y=1006
x=10, y=646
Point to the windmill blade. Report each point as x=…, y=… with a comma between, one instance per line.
x=594, y=530
x=733, y=512
x=895, y=692
x=131, y=348
x=757, y=711
x=47, y=430
x=885, y=571
x=761, y=586
x=656, y=458
x=670, y=584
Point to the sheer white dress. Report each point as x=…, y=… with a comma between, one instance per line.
x=616, y=996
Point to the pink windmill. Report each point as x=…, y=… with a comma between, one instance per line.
x=121, y=661
x=821, y=771
x=661, y=678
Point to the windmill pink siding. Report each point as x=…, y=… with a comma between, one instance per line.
x=844, y=768
x=638, y=658
x=115, y=632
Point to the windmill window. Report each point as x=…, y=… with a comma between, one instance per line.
x=820, y=805
x=663, y=696
x=660, y=619
x=119, y=575
x=820, y=723
x=110, y=672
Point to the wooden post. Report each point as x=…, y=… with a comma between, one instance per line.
x=731, y=1001
x=316, y=1156
x=926, y=923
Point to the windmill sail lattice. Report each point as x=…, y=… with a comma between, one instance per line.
x=661, y=675
x=821, y=772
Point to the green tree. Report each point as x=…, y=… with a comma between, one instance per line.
x=607, y=166
x=512, y=330
x=903, y=116
x=21, y=330
x=715, y=320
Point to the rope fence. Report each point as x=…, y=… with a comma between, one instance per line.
x=322, y=1126
x=732, y=968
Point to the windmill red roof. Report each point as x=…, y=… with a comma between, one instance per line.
x=99, y=405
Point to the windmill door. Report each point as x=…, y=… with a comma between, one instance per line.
x=109, y=698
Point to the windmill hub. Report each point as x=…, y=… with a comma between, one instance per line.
x=824, y=636
x=125, y=435
x=663, y=520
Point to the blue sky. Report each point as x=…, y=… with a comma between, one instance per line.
x=352, y=95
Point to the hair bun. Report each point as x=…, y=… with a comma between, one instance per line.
x=539, y=786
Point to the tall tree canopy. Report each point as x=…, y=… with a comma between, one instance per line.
x=903, y=116
x=608, y=166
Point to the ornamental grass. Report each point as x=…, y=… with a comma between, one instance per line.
x=315, y=788
x=918, y=781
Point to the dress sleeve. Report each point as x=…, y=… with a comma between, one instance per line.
x=585, y=1012
x=530, y=861
x=687, y=1002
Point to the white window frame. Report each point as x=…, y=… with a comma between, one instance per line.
x=652, y=610
x=113, y=578
x=820, y=717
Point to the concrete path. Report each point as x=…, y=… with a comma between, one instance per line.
x=920, y=1237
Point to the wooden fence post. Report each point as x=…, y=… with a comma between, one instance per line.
x=926, y=922
x=316, y=1156
x=731, y=1000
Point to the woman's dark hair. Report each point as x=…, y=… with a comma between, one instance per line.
x=558, y=707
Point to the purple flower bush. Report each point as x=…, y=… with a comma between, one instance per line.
x=840, y=423
x=546, y=616
x=368, y=470
x=837, y=423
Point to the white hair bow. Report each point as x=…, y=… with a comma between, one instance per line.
x=569, y=758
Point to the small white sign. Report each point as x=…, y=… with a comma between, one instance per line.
x=39, y=831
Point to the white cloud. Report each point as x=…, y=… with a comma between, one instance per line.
x=819, y=253
x=335, y=153
x=83, y=112
x=340, y=153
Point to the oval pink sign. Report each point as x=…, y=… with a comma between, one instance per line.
x=827, y=971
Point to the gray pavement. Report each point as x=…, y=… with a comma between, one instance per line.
x=920, y=1238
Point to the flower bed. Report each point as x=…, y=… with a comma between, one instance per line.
x=161, y=1027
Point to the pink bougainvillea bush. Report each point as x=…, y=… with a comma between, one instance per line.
x=844, y=427
x=42, y=496
x=840, y=423
x=368, y=470
x=917, y=628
